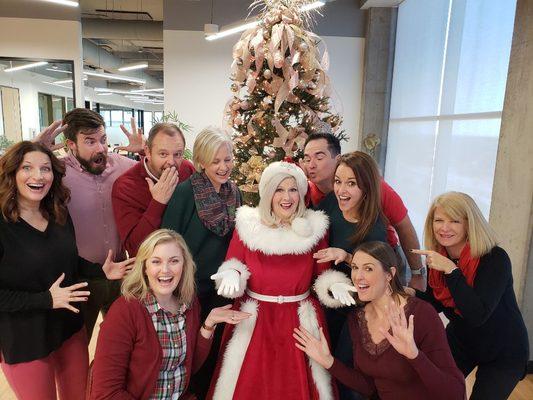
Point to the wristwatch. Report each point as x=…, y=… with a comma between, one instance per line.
x=419, y=272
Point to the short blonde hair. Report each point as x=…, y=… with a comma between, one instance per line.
x=460, y=206
x=135, y=284
x=207, y=144
x=265, y=202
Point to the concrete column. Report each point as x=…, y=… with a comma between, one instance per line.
x=511, y=213
x=377, y=81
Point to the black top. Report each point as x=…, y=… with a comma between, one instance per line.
x=490, y=326
x=30, y=261
x=341, y=231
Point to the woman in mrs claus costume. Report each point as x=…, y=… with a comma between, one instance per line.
x=269, y=270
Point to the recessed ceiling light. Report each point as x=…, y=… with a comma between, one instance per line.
x=69, y=3
x=25, y=66
x=56, y=69
x=135, y=66
x=114, y=77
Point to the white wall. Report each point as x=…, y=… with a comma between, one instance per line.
x=44, y=39
x=197, y=84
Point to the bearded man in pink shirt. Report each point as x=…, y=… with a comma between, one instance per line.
x=90, y=174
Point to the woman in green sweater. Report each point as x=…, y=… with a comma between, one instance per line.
x=202, y=210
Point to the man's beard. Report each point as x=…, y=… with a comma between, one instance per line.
x=91, y=165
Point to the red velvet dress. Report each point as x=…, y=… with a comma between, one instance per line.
x=261, y=361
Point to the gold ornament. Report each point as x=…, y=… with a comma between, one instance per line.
x=234, y=87
x=267, y=74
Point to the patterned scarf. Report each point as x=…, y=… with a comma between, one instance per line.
x=437, y=281
x=216, y=210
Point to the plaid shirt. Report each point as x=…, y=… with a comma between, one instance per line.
x=170, y=330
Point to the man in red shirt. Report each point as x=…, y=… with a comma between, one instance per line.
x=321, y=153
x=141, y=194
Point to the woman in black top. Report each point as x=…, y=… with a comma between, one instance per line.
x=354, y=211
x=470, y=280
x=41, y=335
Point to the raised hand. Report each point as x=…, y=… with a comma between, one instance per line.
x=341, y=291
x=230, y=282
x=332, y=254
x=63, y=296
x=162, y=190
x=316, y=349
x=116, y=270
x=135, y=138
x=437, y=261
x=48, y=135
x=402, y=338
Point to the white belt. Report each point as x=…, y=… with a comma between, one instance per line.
x=277, y=299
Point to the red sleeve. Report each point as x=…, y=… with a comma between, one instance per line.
x=434, y=363
x=236, y=248
x=203, y=345
x=113, y=349
x=391, y=204
x=318, y=268
x=133, y=221
x=186, y=170
x=352, y=378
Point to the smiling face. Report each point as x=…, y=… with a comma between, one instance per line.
x=219, y=170
x=348, y=194
x=34, y=177
x=90, y=149
x=163, y=270
x=285, y=200
x=450, y=233
x=369, y=277
x=166, y=151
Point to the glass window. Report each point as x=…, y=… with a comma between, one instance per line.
x=117, y=117
x=450, y=71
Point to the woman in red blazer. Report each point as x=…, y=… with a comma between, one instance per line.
x=149, y=345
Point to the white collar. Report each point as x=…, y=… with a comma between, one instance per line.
x=298, y=238
x=148, y=171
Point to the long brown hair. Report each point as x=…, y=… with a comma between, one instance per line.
x=386, y=256
x=53, y=205
x=368, y=180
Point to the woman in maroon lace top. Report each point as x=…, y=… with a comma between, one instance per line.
x=395, y=357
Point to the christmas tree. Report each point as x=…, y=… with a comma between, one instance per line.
x=281, y=91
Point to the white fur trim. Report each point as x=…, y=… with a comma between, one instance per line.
x=283, y=240
x=324, y=282
x=321, y=377
x=244, y=274
x=235, y=352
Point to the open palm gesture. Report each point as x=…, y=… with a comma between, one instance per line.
x=316, y=349
x=135, y=138
x=48, y=135
x=402, y=338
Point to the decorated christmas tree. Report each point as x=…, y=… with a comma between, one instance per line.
x=281, y=91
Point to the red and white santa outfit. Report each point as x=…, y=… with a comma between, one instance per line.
x=260, y=360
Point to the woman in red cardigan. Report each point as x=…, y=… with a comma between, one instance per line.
x=149, y=343
x=399, y=344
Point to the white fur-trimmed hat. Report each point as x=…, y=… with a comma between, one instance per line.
x=282, y=167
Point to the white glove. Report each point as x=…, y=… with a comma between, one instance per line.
x=229, y=284
x=341, y=292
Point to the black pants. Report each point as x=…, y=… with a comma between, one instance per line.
x=103, y=294
x=201, y=380
x=495, y=380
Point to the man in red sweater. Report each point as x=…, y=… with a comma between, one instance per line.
x=141, y=194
